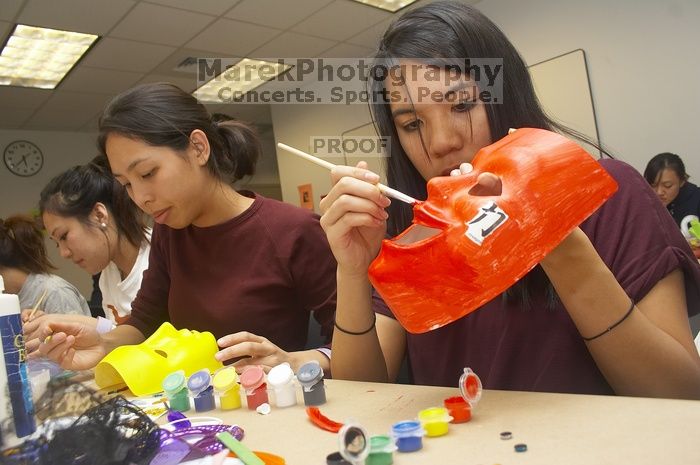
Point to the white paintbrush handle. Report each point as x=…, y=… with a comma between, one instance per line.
x=386, y=190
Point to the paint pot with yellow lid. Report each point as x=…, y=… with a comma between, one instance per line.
x=226, y=385
x=435, y=421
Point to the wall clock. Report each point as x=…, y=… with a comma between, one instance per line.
x=23, y=158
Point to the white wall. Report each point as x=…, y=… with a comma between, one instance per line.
x=294, y=125
x=21, y=195
x=643, y=64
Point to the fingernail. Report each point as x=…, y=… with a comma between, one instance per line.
x=372, y=177
x=217, y=356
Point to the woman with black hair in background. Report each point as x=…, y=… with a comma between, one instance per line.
x=94, y=223
x=26, y=270
x=249, y=269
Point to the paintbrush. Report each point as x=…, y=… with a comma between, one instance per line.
x=36, y=305
x=386, y=190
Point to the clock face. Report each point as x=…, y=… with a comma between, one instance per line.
x=23, y=158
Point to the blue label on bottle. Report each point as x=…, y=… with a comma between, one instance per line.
x=19, y=390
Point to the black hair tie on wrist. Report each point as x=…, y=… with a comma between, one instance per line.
x=360, y=333
x=610, y=328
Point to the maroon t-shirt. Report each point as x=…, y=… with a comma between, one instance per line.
x=540, y=349
x=263, y=271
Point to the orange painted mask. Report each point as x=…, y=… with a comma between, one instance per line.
x=481, y=245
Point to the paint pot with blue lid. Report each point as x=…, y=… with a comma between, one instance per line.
x=310, y=376
x=408, y=435
x=175, y=389
x=202, y=391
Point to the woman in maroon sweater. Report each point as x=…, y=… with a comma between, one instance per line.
x=627, y=267
x=251, y=270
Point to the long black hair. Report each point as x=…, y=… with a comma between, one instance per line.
x=163, y=115
x=446, y=30
x=75, y=192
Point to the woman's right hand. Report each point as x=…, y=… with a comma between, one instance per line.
x=354, y=217
x=73, y=345
x=39, y=324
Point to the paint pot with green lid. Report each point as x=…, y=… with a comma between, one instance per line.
x=175, y=387
x=310, y=376
x=381, y=451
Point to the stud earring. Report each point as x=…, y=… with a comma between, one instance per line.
x=103, y=225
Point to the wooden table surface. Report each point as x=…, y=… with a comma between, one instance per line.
x=558, y=429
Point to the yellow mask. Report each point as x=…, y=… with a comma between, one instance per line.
x=143, y=367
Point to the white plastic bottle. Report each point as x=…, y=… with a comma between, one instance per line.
x=16, y=406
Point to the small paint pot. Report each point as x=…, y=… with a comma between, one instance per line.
x=225, y=383
x=281, y=380
x=459, y=409
x=202, y=391
x=310, y=376
x=381, y=451
x=408, y=435
x=175, y=389
x=253, y=381
x=435, y=421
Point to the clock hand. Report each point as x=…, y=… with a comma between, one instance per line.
x=24, y=160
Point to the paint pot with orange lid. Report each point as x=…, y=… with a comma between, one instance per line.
x=460, y=408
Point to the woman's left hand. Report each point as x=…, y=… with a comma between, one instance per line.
x=250, y=349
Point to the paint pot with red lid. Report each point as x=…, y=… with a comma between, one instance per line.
x=253, y=381
x=460, y=408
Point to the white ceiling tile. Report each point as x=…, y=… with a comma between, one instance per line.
x=188, y=84
x=275, y=13
x=9, y=9
x=91, y=125
x=160, y=25
x=292, y=44
x=254, y=113
x=70, y=101
x=67, y=110
x=211, y=7
x=126, y=55
x=91, y=16
x=23, y=96
x=56, y=121
x=232, y=37
x=99, y=81
x=371, y=36
x=169, y=67
x=341, y=20
x=345, y=50
x=13, y=118
x=5, y=29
